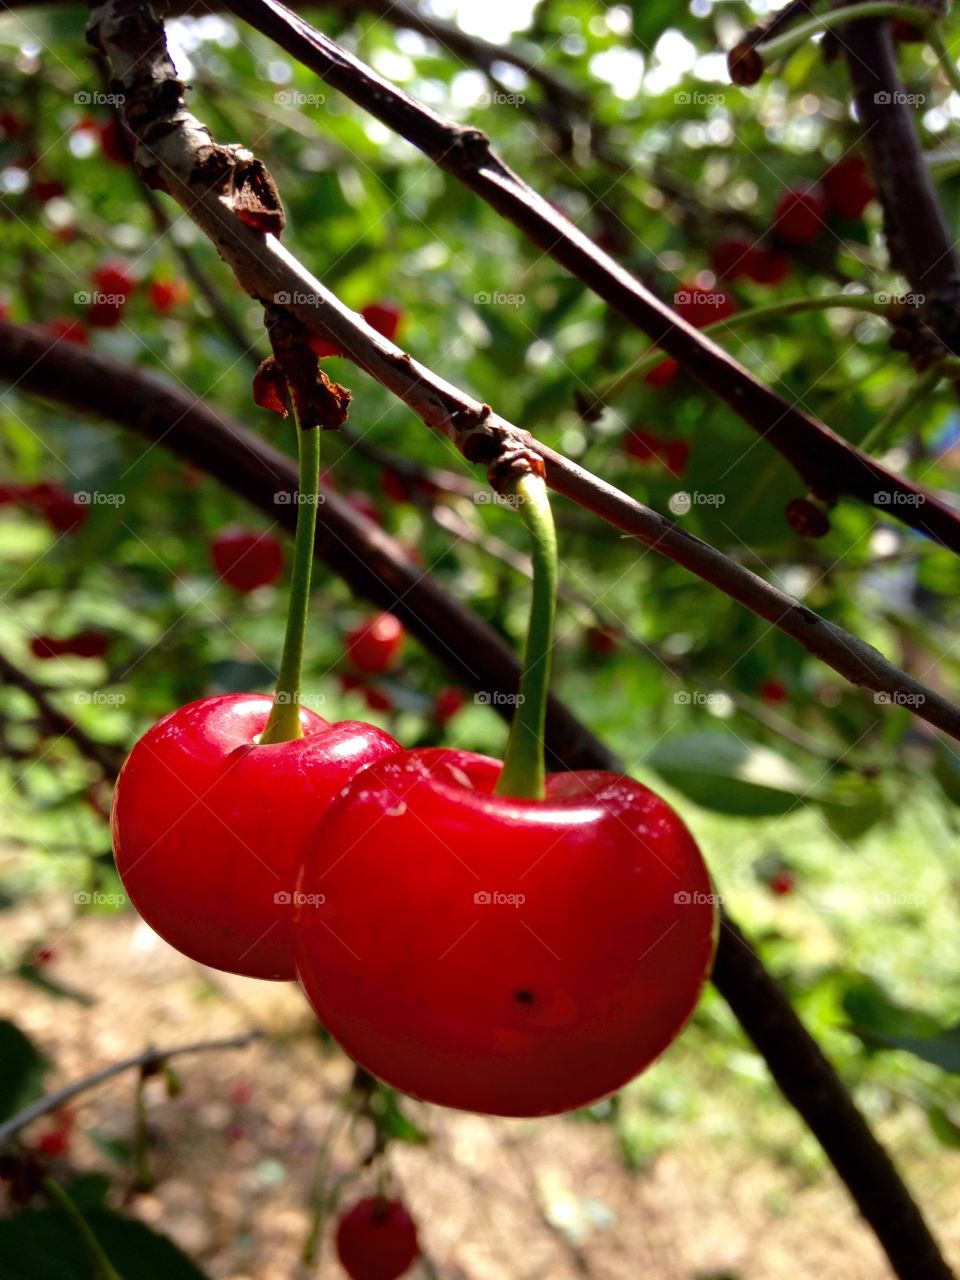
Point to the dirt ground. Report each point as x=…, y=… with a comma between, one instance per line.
x=236, y=1152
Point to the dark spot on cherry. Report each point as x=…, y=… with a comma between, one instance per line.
x=524, y=997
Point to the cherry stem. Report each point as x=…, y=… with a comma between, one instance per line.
x=783, y=45
x=523, y=768
x=283, y=724
x=101, y=1268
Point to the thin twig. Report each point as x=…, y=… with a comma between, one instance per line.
x=149, y=1058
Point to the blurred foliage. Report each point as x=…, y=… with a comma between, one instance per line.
x=778, y=766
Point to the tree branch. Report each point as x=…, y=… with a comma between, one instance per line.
x=829, y=466
x=376, y=567
x=149, y=1058
x=56, y=721
x=919, y=240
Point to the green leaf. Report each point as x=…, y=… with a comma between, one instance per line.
x=721, y=772
x=21, y=1070
x=946, y=770
x=944, y=1128
x=41, y=1244
x=941, y=1050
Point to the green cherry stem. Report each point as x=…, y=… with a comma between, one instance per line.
x=101, y=1268
x=283, y=724
x=523, y=768
x=783, y=46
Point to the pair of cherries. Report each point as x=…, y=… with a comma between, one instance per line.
x=510, y=956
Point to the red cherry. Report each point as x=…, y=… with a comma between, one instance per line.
x=377, y=1240
x=209, y=827
x=799, y=215
x=10, y=494
x=56, y=505
x=114, y=276
x=774, y=692
x=166, y=294
x=68, y=330
x=730, y=258
x=47, y=189
x=11, y=126
x=703, y=306
x=46, y=647
x=395, y=486
x=769, y=266
x=602, y=641
x=246, y=559
x=53, y=1144
x=321, y=347
x=116, y=142
x=374, y=645
x=782, y=883
x=104, y=315
x=676, y=455
x=662, y=374
x=377, y=699
x=86, y=644
x=550, y=950
x=384, y=317
x=847, y=188
x=446, y=705
x=645, y=446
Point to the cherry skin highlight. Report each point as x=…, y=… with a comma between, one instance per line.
x=209, y=828
x=507, y=956
x=377, y=1240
